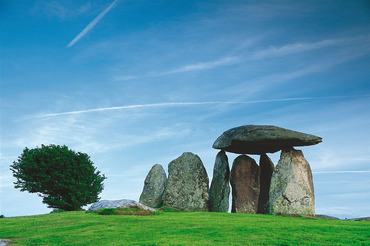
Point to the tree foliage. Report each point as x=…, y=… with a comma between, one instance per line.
x=63, y=178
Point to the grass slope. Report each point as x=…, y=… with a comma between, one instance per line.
x=80, y=228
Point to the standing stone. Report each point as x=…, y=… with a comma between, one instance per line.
x=291, y=190
x=154, y=186
x=245, y=183
x=266, y=170
x=187, y=187
x=220, y=189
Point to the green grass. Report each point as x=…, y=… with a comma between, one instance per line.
x=81, y=228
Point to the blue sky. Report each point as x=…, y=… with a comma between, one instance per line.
x=135, y=83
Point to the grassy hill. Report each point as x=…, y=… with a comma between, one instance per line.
x=81, y=228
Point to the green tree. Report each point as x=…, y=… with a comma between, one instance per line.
x=63, y=178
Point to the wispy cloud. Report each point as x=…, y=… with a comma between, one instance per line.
x=187, y=68
x=92, y=24
x=203, y=65
x=61, y=9
x=170, y=104
x=296, y=48
x=124, y=77
x=262, y=11
x=269, y=81
x=353, y=48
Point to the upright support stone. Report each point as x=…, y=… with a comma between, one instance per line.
x=291, y=190
x=245, y=183
x=154, y=186
x=187, y=187
x=220, y=189
x=266, y=170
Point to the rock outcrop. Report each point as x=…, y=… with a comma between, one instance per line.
x=245, y=183
x=187, y=187
x=123, y=203
x=260, y=139
x=154, y=186
x=291, y=189
x=327, y=217
x=266, y=170
x=220, y=188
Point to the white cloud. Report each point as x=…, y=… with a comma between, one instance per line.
x=297, y=47
x=271, y=81
x=60, y=10
x=184, y=69
x=124, y=77
x=6, y=181
x=92, y=24
x=91, y=133
x=203, y=65
x=261, y=11
x=329, y=162
x=152, y=136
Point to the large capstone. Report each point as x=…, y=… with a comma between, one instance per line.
x=220, y=189
x=245, y=183
x=187, y=187
x=260, y=139
x=154, y=186
x=291, y=189
x=266, y=170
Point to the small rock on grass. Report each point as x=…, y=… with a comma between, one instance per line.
x=4, y=242
x=123, y=203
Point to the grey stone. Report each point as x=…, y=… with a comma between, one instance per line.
x=291, y=189
x=245, y=183
x=220, y=189
x=4, y=242
x=266, y=170
x=123, y=203
x=260, y=139
x=154, y=186
x=187, y=187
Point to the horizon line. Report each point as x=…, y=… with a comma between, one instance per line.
x=326, y=172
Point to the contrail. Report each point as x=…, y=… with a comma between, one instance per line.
x=131, y=107
x=169, y=104
x=92, y=24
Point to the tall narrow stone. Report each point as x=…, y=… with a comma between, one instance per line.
x=187, y=187
x=154, y=186
x=291, y=190
x=266, y=170
x=245, y=183
x=220, y=189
